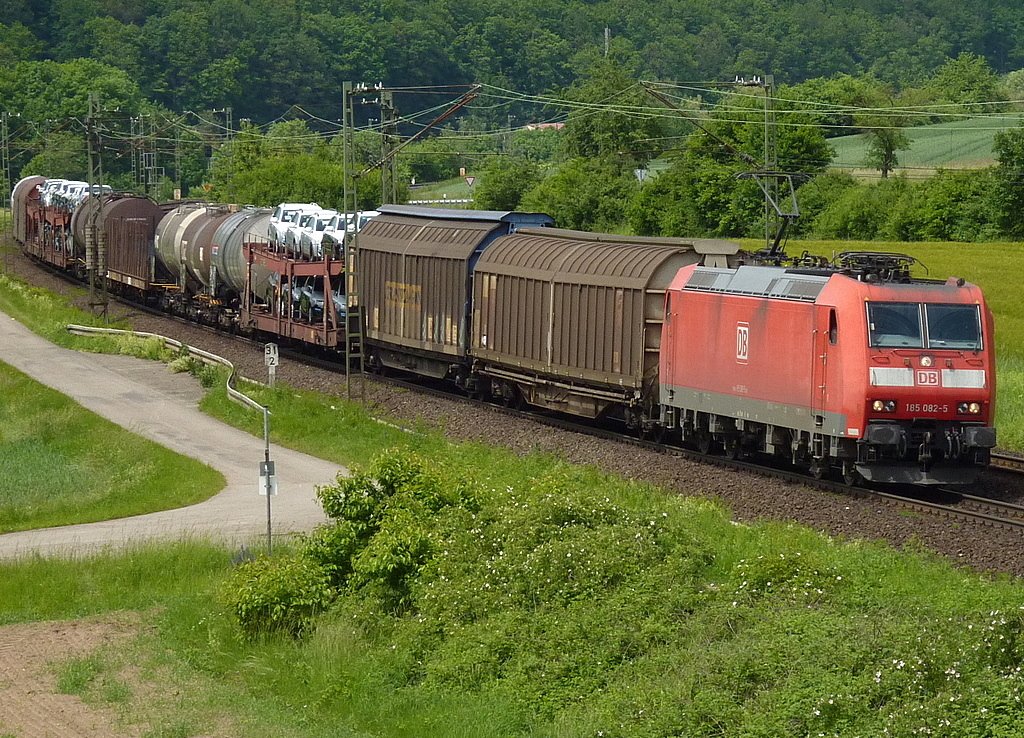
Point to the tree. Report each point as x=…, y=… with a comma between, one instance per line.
x=584, y=194
x=48, y=90
x=63, y=156
x=832, y=101
x=291, y=137
x=115, y=44
x=702, y=194
x=1009, y=148
x=883, y=124
x=609, y=116
x=504, y=181
x=294, y=178
x=17, y=44
x=967, y=80
x=883, y=143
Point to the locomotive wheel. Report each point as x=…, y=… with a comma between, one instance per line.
x=705, y=443
x=734, y=449
x=819, y=468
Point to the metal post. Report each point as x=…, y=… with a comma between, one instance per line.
x=266, y=458
x=389, y=139
x=5, y=154
x=90, y=242
x=771, y=162
x=177, y=161
x=98, y=273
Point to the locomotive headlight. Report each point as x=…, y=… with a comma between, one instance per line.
x=969, y=408
x=926, y=361
x=878, y=406
x=884, y=406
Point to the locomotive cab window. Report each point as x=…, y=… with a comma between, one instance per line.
x=895, y=325
x=954, y=326
x=833, y=327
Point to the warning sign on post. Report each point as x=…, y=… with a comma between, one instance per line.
x=470, y=181
x=267, y=469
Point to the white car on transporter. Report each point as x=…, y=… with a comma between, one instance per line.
x=311, y=234
x=343, y=227
x=285, y=216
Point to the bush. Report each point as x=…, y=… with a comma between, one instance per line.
x=283, y=593
x=860, y=212
x=503, y=181
x=816, y=195
x=379, y=538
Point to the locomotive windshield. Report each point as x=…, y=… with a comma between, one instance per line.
x=954, y=326
x=899, y=325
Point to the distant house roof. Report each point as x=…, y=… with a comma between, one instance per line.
x=544, y=126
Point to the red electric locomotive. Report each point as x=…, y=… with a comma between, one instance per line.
x=858, y=369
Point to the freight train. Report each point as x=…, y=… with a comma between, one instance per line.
x=851, y=368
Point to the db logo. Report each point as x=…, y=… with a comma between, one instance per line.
x=742, y=342
x=927, y=378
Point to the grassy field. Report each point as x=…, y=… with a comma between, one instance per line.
x=560, y=603
x=450, y=189
x=56, y=473
x=962, y=144
x=53, y=473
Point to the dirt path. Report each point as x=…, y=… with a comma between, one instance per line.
x=30, y=654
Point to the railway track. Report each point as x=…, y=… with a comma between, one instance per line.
x=1007, y=462
x=962, y=507
x=948, y=504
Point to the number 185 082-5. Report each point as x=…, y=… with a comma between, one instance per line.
x=925, y=407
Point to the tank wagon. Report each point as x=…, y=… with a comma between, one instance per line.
x=861, y=371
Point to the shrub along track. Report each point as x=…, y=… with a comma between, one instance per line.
x=750, y=497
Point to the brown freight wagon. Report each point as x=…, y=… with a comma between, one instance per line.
x=572, y=321
x=25, y=199
x=42, y=230
x=414, y=275
x=118, y=229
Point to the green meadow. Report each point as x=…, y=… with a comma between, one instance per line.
x=960, y=144
x=489, y=594
x=63, y=464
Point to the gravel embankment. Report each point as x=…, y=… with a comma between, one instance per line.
x=749, y=497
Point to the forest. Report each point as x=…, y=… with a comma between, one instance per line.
x=262, y=56
x=244, y=101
